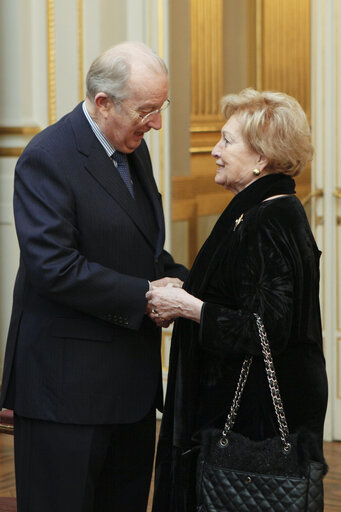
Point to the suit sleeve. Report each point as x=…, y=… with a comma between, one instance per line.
x=172, y=269
x=46, y=223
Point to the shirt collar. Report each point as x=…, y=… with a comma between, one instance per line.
x=109, y=149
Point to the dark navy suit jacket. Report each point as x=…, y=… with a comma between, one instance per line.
x=80, y=348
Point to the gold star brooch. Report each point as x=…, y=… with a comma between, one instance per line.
x=238, y=221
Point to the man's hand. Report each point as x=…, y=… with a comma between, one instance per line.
x=160, y=322
x=174, y=281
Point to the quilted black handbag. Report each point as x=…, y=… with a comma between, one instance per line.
x=278, y=474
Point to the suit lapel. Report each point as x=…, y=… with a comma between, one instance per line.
x=148, y=182
x=99, y=165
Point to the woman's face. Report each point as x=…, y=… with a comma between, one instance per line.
x=235, y=159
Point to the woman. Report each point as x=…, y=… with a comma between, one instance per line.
x=260, y=257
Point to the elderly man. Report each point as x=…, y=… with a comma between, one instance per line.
x=82, y=368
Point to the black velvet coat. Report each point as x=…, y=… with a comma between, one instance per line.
x=266, y=262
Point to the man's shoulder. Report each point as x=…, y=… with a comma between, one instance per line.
x=60, y=133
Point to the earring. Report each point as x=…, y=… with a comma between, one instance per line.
x=256, y=172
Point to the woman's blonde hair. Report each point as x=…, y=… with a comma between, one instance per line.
x=275, y=126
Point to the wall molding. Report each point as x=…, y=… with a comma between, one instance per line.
x=20, y=130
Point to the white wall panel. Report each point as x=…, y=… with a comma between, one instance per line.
x=39, y=78
x=326, y=127
x=9, y=258
x=67, y=56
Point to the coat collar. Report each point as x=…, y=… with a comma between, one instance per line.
x=253, y=194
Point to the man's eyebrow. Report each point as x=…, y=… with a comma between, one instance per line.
x=148, y=106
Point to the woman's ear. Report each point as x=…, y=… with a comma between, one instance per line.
x=262, y=162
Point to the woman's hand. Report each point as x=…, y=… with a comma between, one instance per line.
x=169, y=302
x=173, y=281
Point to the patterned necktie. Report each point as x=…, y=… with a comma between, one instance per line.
x=123, y=169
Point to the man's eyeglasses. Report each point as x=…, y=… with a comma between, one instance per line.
x=144, y=118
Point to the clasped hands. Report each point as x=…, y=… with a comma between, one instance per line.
x=168, y=301
x=157, y=308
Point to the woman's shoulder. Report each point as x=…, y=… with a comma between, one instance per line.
x=283, y=219
x=284, y=210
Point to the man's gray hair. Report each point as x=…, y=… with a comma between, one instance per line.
x=110, y=72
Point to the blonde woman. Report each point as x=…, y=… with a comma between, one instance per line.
x=261, y=257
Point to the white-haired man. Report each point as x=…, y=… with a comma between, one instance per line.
x=82, y=369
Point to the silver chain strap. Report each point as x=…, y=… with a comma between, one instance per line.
x=274, y=390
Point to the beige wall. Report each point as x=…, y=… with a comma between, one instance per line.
x=179, y=66
x=226, y=69
x=236, y=45
x=113, y=16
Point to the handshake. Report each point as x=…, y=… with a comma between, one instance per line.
x=159, y=310
x=168, y=301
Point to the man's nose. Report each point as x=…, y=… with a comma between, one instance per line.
x=155, y=121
